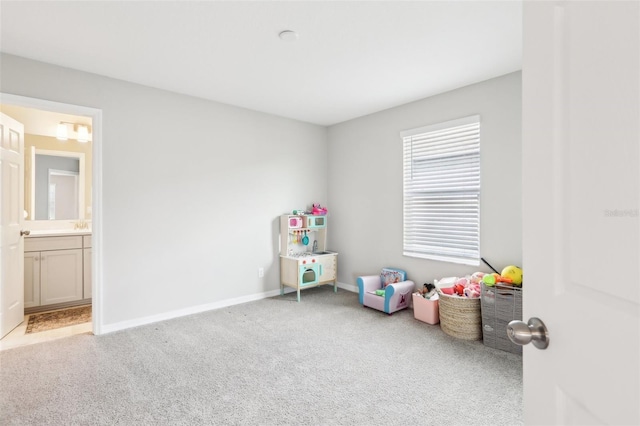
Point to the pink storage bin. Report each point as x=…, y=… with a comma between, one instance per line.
x=426, y=310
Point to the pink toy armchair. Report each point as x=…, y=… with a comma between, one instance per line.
x=388, y=292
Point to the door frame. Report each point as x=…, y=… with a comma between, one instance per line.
x=96, y=205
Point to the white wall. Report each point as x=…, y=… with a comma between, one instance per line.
x=365, y=181
x=191, y=189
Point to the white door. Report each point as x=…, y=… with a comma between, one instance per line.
x=581, y=195
x=11, y=221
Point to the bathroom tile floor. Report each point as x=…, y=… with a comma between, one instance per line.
x=17, y=336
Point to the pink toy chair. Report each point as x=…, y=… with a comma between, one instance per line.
x=388, y=292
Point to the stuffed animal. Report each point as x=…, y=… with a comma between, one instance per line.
x=460, y=285
x=465, y=287
x=317, y=210
x=472, y=291
x=427, y=290
x=476, y=277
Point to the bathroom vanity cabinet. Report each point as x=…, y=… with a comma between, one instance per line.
x=54, y=271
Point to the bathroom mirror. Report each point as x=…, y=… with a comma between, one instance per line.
x=57, y=185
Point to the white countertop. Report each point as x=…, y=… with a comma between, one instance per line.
x=58, y=232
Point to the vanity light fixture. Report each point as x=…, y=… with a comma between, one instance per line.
x=83, y=133
x=61, y=132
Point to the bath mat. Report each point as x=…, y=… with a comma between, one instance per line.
x=58, y=319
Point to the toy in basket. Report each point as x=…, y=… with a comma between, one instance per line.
x=460, y=316
x=425, y=305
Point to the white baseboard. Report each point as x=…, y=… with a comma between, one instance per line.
x=123, y=325
x=349, y=287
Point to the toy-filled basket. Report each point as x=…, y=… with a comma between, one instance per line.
x=460, y=317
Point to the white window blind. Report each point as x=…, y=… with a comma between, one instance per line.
x=442, y=191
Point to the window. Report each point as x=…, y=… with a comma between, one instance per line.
x=441, y=165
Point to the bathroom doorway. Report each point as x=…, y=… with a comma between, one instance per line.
x=42, y=122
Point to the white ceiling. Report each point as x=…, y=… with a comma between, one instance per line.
x=351, y=58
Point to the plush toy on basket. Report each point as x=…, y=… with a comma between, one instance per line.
x=464, y=287
x=511, y=275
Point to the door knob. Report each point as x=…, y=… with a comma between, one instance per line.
x=24, y=232
x=535, y=331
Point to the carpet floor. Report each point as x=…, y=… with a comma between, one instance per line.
x=323, y=361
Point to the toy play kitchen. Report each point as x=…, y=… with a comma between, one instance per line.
x=304, y=260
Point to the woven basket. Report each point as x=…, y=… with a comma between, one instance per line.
x=460, y=317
